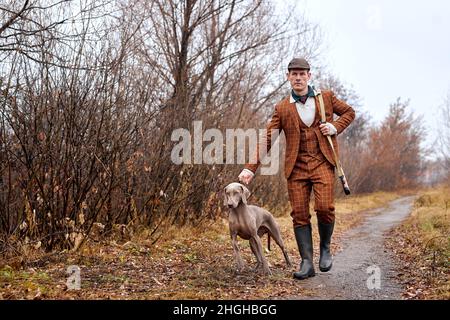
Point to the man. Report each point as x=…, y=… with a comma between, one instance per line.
x=309, y=162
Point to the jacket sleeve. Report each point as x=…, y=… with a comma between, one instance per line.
x=344, y=111
x=266, y=142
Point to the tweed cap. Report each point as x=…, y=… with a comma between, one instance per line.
x=299, y=63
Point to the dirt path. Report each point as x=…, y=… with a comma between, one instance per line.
x=363, y=248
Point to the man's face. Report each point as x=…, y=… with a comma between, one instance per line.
x=299, y=80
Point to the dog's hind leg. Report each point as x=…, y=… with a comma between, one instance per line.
x=274, y=231
x=261, y=232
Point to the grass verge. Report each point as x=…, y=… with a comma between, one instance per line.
x=422, y=245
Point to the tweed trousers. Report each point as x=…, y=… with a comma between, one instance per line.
x=312, y=172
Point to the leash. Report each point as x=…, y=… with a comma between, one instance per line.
x=339, y=168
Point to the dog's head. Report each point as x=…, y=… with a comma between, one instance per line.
x=234, y=194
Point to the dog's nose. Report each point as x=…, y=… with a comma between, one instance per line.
x=230, y=206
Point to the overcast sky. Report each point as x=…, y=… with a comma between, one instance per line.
x=386, y=49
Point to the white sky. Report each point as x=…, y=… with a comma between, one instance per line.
x=386, y=49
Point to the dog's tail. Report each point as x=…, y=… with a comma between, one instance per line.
x=268, y=241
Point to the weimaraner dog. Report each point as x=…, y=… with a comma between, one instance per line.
x=250, y=223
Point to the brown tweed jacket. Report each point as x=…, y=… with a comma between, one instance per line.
x=285, y=118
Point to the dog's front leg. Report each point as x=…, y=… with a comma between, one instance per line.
x=255, y=252
x=276, y=235
x=259, y=250
x=237, y=254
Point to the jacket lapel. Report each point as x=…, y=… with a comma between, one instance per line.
x=293, y=114
x=318, y=116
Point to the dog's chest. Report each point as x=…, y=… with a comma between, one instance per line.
x=243, y=227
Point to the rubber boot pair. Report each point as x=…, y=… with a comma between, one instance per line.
x=303, y=235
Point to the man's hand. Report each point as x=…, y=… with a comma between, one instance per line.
x=327, y=129
x=246, y=176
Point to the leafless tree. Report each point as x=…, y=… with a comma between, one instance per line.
x=90, y=96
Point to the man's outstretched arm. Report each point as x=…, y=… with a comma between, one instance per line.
x=250, y=168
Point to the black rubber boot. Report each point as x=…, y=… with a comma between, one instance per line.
x=325, y=232
x=305, y=247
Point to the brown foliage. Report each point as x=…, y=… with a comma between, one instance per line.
x=393, y=158
x=87, y=115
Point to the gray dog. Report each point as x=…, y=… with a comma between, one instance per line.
x=250, y=223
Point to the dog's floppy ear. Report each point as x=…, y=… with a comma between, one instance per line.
x=225, y=198
x=245, y=194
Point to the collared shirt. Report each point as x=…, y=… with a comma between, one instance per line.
x=307, y=109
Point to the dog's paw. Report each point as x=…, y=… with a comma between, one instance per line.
x=266, y=271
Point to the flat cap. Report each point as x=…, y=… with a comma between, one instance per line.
x=299, y=63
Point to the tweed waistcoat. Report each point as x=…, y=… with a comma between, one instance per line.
x=309, y=149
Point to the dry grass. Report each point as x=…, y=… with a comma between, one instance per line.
x=422, y=244
x=187, y=263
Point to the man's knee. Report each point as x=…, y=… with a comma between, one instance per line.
x=327, y=216
x=300, y=217
x=324, y=206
